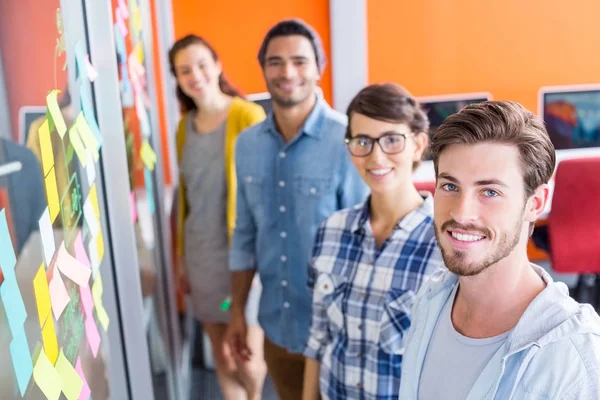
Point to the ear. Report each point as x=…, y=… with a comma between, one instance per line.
x=421, y=144
x=219, y=67
x=536, y=204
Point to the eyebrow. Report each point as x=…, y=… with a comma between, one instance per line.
x=484, y=182
x=279, y=58
x=381, y=134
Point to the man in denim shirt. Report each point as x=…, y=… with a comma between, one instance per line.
x=293, y=171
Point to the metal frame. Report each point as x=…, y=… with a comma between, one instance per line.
x=117, y=199
x=349, y=53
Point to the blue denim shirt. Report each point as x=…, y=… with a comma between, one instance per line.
x=284, y=191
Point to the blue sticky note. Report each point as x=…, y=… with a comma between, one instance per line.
x=120, y=44
x=21, y=359
x=88, y=111
x=7, y=251
x=80, y=60
x=149, y=189
x=13, y=304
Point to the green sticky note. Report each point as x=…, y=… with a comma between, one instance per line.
x=226, y=304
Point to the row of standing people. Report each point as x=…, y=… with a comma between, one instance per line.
x=323, y=207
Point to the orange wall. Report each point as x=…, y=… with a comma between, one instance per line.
x=507, y=47
x=28, y=54
x=236, y=29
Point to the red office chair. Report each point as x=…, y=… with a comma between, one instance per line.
x=425, y=186
x=574, y=225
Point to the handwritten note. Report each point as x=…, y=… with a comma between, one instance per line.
x=54, y=110
x=47, y=236
x=52, y=195
x=72, y=383
x=47, y=378
x=58, y=293
x=71, y=267
x=97, y=290
x=85, y=391
x=148, y=155
x=46, y=147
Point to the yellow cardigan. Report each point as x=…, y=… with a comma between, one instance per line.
x=242, y=115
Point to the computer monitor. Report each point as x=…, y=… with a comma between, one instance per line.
x=572, y=116
x=263, y=99
x=28, y=114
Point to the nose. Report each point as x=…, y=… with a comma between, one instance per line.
x=377, y=153
x=289, y=70
x=464, y=210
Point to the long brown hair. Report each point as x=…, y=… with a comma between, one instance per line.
x=186, y=102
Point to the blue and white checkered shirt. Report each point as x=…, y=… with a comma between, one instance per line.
x=362, y=299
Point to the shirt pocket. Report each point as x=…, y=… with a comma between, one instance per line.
x=254, y=189
x=395, y=320
x=317, y=197
x=331, y=288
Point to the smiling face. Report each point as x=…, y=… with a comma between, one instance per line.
x=197, y=72
x=290, y=70
x=384, y=172
x=480, y=207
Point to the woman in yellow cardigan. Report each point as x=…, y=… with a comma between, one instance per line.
x=214, y=115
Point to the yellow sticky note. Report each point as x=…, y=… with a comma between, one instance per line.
x=93, y=194
x=52, y=195
x=42, y=295
x=137, y=20
x=72, y=383
x=89, y=140
x=47, y=378
x=77, y=145
x=97, y=290
x=100, y=247
x=139, y=52
x=49, y=339
x=46, y=147
x=148, y=155
x=57, y=118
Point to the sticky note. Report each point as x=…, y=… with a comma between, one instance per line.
x=77, y=145
x=80, y=253
x=8, y=259
x=121, y=23
x=13, y=304
x=21, y=359
x=93, y=252
x=90, y=217
x=137, y=21
x=120, y=43
x=87, y=302
x=52, y=195
x=93, y=196
x=97, y=290
x=91, y=71
x=90, y=169
x=47, y=236
x=80, y=59
x=58, y=294
x=148, y=155
x=46, y=377
x=139, y=52
x=49, y=339
x=85, y=391
x=57, y=118
x=124, y=9
x=92, y=335
x=72, y=383
x=88, y=111
x=100, y=247
x=72, y=268
x=42, y=295
x=133, y=207
x=87, y=136
x=149, y=189
x=46, y=147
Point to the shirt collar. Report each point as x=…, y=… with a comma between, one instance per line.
x=313, y=123
x=409, y=223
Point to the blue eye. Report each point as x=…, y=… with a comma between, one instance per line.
x=449, y=187
x=490, y=193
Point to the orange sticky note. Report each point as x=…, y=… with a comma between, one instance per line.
x=52, y=195
x=54, y=109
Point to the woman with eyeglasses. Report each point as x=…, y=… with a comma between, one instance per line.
x=369, y=261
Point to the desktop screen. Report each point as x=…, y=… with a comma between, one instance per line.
x=573, y=118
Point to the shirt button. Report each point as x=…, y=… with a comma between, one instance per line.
x=281, y=183
x=282, y=208
x=283, y=258
x=313, y=190
x=284, y=283
x=286, y=305
x=283, y=235
x=282, y=154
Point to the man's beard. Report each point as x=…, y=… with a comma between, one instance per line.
x=455, y=259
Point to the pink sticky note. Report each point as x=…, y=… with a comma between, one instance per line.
x=121, y=23
x=85, y=391
x=91, y=71
x=87, y=302
x=72, y=268
x=80, y=253
x=133, y=208
x=124, y=9
x=58, y=294
x=91, y=332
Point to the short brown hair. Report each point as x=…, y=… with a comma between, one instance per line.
x=391, y=103
x=505, y=122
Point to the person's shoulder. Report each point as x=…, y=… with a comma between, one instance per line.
x=252, y=134
x=246, y=106
x=343, y=219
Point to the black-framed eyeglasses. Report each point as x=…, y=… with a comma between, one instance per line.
x=390, y=143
